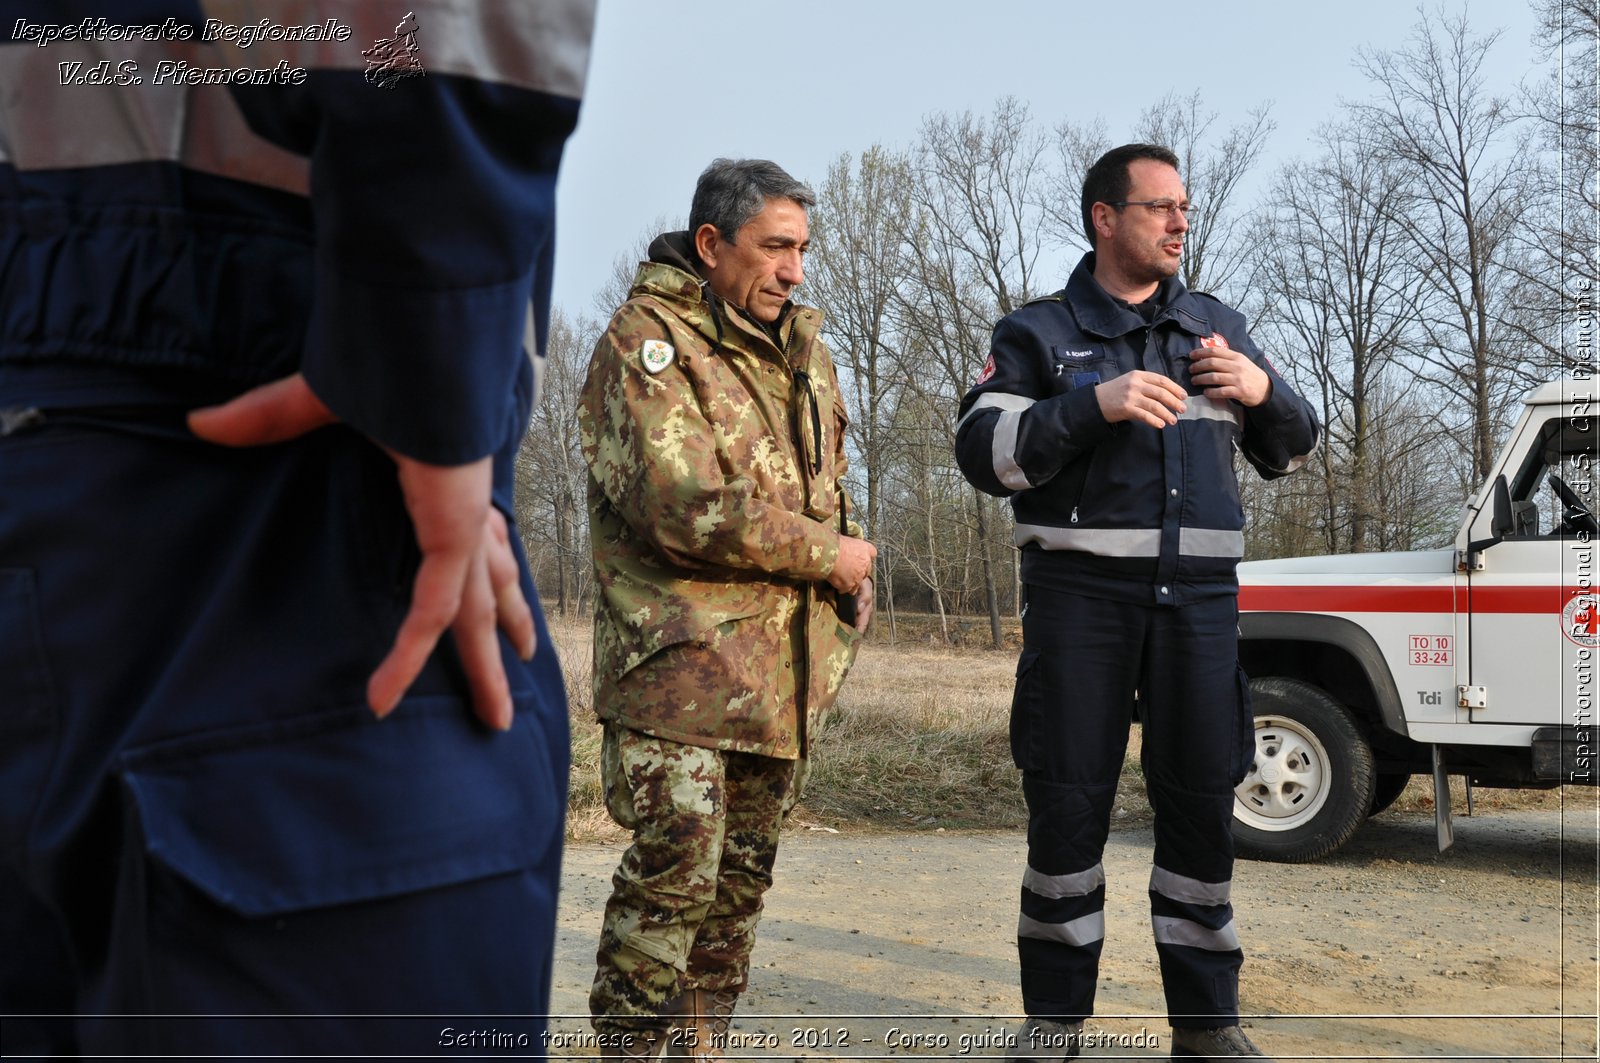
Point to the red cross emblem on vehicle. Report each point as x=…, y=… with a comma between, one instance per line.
x=1580, y=619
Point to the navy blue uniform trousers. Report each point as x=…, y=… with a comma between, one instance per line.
x=208, y=845
x=1082, y=661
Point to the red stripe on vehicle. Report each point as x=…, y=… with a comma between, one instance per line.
x=1520, y=599
x=1320, y=599
x=1347, y=599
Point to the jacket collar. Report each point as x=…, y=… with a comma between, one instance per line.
x=1098, y=313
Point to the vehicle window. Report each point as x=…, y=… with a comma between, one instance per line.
x=1566, y=448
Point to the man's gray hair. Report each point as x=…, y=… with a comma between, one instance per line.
x=732, y=191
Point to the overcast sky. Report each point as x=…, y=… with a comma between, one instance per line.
x=672, y=86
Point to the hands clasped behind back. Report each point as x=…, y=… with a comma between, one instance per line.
x=467, y=580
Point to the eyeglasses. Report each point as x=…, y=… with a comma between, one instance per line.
x=1163, y=207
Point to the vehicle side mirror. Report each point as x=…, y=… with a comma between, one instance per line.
x=1501, y=522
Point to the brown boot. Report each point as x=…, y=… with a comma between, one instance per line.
x=618, y=1046
x=702, y=1029
x=1222, y=1042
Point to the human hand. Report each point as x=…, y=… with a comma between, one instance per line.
x=1149, y=398
x=864, y=605
x=467, y=581
x=855, y=561
x=1224, y=373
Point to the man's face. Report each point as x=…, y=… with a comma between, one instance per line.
x=760, y=268
x=1142, y=246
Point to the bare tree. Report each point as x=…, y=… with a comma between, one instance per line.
x=1336, y=290
x=550, y=474
x=625, y=266
x=981, y=182
x=1077, y=147
x=973, y=255
x=1456, y=143
x=853, y=272
x=1212, y=165
x=923, y=500
x=1560, y=263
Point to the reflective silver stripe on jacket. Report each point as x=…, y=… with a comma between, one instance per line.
x=1210, y=542
x=1003, y=447
x=1173, y=931
x=1188, y=890
x=1077, y=884
x=1132, y=542
x=1107, y=542
x=1204, y=408
x=1084, y=930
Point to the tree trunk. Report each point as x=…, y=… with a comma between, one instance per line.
x=888, y=596
x=563, y=505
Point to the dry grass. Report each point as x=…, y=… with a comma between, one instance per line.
x=586, y=810
x=917, y=741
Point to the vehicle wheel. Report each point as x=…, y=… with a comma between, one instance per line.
x=1387, y=786
x=1310, y=783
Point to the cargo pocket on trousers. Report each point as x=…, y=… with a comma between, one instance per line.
x=339, y=808
x=1244, y=751
x=1024, y=710
x=614, y=784
x=27, y=707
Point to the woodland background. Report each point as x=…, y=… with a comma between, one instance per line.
x=1433, y=259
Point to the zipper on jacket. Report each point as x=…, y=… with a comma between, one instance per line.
x=161, y=419
x=17, y=419
x=1074, y=514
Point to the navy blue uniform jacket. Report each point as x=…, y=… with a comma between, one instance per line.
x=186, y=630
x=1122, y=511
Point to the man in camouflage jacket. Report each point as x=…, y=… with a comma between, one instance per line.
x=714, y=433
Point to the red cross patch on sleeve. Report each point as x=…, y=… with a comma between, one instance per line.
x=988, y=370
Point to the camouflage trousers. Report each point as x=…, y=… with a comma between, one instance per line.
x=686, y=897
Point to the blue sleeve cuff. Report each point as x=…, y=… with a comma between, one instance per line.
x=428, y=373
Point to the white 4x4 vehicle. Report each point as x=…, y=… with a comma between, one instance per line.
x=1477, y=661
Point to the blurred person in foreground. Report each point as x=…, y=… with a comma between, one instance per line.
x=734, y=592
x=261, y=380
x=1109, y=413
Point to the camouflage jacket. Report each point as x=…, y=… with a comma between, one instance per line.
x=715, y=455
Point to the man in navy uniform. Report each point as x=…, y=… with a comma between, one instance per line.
x=250, y=799
x=1108, y=413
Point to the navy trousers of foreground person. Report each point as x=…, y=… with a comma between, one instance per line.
x=208, y=844
x=1082, y=661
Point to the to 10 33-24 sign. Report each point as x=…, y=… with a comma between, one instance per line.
x=1433, y=649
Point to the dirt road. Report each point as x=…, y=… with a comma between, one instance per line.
x=902, y=945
